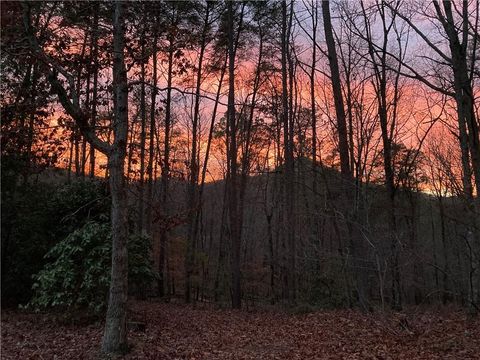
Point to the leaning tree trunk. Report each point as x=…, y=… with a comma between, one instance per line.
x=337, y=92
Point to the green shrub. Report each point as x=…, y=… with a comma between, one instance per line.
x=78, y=272
x=35, y=217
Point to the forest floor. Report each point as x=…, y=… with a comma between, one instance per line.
x=175, y=331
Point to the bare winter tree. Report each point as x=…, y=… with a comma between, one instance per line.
x=232, y=153
x=459, y=26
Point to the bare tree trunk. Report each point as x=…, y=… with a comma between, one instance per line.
x=166, y=169
x=77, y=152
x=31, y=123
x=221, y=249
x=446, y=267
x=289, y=171
x=115, y=336
x=143, y=135
x=434, y=251
x=247, y=136
x=469, y=132
x=312, y=97
x=131, y=149
x=70, y=155
x=93, y=118
x=337, y=92
x=458, y=30
x=354, y=240
x=233, y=166
x=193, y=201
x=151, y=147
x=380, y=68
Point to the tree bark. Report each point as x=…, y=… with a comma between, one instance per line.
x=115, y=336
x=166, y=169
x=193, y=200
x=233, y=166
x=151, y=147
x=380, y=68
x=143, y=134
x=337, y=92
x=468, y=131
x=289, y=170
x=93, y=118
x=355, y=241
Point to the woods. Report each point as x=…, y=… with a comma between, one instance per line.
x=288, y=154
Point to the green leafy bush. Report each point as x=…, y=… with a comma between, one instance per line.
x=78, y=272
x=35, y=217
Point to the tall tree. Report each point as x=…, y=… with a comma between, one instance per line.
x=232, y=176
x=95, y=65
x=288, y=144
x=143, y=125
x=378, y=59
x=152, y=127
x=193, y=200
x=462, y=37
x=165, y=180
x=337, y=92
x=355, y=240
x=115, y=336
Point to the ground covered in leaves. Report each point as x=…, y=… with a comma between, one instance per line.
x=185, y=332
